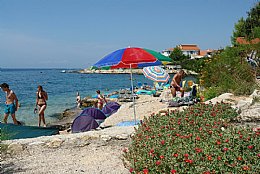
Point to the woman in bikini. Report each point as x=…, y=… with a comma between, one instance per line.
x=101, y=100
x=41, y=98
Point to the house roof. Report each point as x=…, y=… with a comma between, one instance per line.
x=242, y=40
x=189, y=47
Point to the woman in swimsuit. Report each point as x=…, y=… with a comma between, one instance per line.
x=101, y=100
x=41, y=98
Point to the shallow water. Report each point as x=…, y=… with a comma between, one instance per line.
x=61, y=88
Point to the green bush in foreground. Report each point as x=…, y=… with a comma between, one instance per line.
x=196, y=140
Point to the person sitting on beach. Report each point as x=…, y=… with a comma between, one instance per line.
x=41, y=98
x=176, y=80
x=11, y=103
x=101, y=100
x=78, y=100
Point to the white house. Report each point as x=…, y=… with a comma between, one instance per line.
x=191, y=50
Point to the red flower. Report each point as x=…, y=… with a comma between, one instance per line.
x=146, y=171
x=158, y=163
x=250, y=147
x=207, y=172
x=197, y=138
x=209, y=158
x=258, y=155
x=131, y=170
x=175, y=155
x=186, y=155
x=161, y=156
x=245, y=168
x=218, y=142
x=239, y=158
x=225, y=149
x=219, y=158
x=163, y=142
x=213, y=114
x=189, y=161
x=173, y=171
x=198, y=150
x=227, y=140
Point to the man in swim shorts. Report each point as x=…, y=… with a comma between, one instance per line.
x=175, y=83
x=11, y=103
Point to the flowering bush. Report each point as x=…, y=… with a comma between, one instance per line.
x=196, y=140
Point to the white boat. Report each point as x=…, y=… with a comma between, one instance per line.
x=63, y=71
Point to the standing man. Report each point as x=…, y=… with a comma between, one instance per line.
x=175, y=83
x=11, y=103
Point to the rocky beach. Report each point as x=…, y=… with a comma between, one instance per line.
x=101, y=150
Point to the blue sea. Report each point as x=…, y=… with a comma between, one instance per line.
x=61, y=89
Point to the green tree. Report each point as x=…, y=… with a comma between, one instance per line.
x=239, y=31
x=249, y=27
x=177, y=55
x=253, y=21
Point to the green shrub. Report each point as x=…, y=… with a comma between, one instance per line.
x=228, y=71
x=196, y=140
x=210, y=93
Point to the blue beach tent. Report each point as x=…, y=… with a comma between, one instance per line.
x=89, y=119
x=110, y=108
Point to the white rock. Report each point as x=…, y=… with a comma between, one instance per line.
x=14, y=148
x=122, y=137
x=54, y=143
x=105, y=137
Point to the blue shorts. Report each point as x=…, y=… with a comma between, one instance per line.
x=10, y=109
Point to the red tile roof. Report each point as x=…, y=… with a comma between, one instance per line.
x=189, y=47
x=242, y=40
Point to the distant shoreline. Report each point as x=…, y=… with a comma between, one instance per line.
x=126, y=71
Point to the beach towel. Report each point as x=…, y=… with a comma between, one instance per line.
x=182, y=101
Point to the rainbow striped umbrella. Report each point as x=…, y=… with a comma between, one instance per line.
x=156, y=73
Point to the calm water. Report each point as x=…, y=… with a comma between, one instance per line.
x=61, y=88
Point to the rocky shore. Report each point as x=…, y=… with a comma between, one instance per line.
x=100, y=151
x=126, y=71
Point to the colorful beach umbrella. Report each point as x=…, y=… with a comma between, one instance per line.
x=156, y=73
x=131, y=57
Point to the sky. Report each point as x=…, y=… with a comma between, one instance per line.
x=78, y=33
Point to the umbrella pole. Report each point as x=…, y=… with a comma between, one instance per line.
x=132, y=86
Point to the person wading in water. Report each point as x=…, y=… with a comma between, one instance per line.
x=41, y=98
